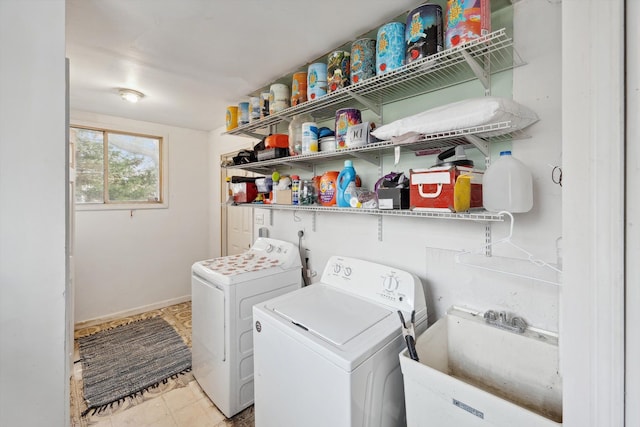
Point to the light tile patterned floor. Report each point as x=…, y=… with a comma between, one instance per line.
x=179, y=403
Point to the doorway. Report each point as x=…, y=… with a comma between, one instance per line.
x=236, y=221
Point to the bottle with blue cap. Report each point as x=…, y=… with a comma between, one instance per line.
x=346, y=185
x=507, y=185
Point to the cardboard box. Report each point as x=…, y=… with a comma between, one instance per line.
x=432, y=189
x=393, y=198
x=282, y=197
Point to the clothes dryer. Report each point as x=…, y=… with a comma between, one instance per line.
x=223, y=292
x=327, y=354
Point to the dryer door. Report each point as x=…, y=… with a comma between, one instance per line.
x=208, y=327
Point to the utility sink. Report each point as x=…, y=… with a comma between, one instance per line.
x=472, y=373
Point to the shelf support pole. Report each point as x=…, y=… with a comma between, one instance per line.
x=271, y=217
x=487, y=239
x=379, y=228
x=313, y=221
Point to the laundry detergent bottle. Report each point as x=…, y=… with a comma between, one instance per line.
x=346, y=185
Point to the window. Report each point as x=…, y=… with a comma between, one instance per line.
x=117, y=168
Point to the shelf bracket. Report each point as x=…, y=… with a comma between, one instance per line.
x=264, y=170
x=270, y=217
x=253, y=134
x=374, y=107
x=285, y=118
x=371, y=158
x=313, y=221
x=379, y=228
x=479, y=143
x=299, y=165
x=477, y=69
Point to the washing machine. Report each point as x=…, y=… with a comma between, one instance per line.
x=223, y=292
x=327, y=354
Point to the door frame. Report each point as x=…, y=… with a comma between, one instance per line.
x=224, y=228
x=223, y=209
x=592, y=318
x=632, y=229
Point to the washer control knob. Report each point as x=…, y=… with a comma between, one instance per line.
x=390, y=283
x=269, y=248
x=279, y=249
x=347, y=271
x=336, y=268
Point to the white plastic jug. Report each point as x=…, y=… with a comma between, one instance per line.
x=295, y=133
x=507, y=185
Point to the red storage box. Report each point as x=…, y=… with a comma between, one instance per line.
x=244, y=189
x=432, y=189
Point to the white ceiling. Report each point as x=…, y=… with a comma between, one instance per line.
x=192, y=58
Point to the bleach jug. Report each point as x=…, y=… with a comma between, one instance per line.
x=346, y=185
x=507, y=185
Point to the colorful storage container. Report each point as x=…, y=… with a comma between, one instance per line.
x=338, y=70
x=466, y=20
x=363, y=60
x=316, y=81
x=424, y=32
x=390, y=47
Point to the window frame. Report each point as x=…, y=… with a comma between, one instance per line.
x=163, y=203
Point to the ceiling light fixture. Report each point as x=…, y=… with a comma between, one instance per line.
x=131, y=95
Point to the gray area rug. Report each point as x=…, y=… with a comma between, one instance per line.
x=129, y=359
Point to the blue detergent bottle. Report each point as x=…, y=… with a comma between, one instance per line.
x=346, y=185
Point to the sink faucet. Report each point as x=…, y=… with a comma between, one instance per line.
x=501, y=320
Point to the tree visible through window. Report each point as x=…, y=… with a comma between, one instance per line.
x=117, y=167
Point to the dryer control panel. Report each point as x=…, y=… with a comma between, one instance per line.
x=383, y=284
x=282, y=253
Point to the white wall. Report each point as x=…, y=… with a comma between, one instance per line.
x=128, y=261
x=33, y=375
x=426, y=246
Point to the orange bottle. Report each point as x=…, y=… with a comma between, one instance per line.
x=328, y=188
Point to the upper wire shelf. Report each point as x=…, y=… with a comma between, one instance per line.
x=459, y=64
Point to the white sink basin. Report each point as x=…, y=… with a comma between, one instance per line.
x=475, y=374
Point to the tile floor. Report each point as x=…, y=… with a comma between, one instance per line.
x=179, y=403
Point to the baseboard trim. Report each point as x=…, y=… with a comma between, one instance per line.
x=131, y=312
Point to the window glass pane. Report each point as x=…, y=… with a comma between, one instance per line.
x=134, y=168
x=89, y=166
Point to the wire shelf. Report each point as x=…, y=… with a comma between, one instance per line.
x=426, y=144
x=493, y=51
x=479, y=215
